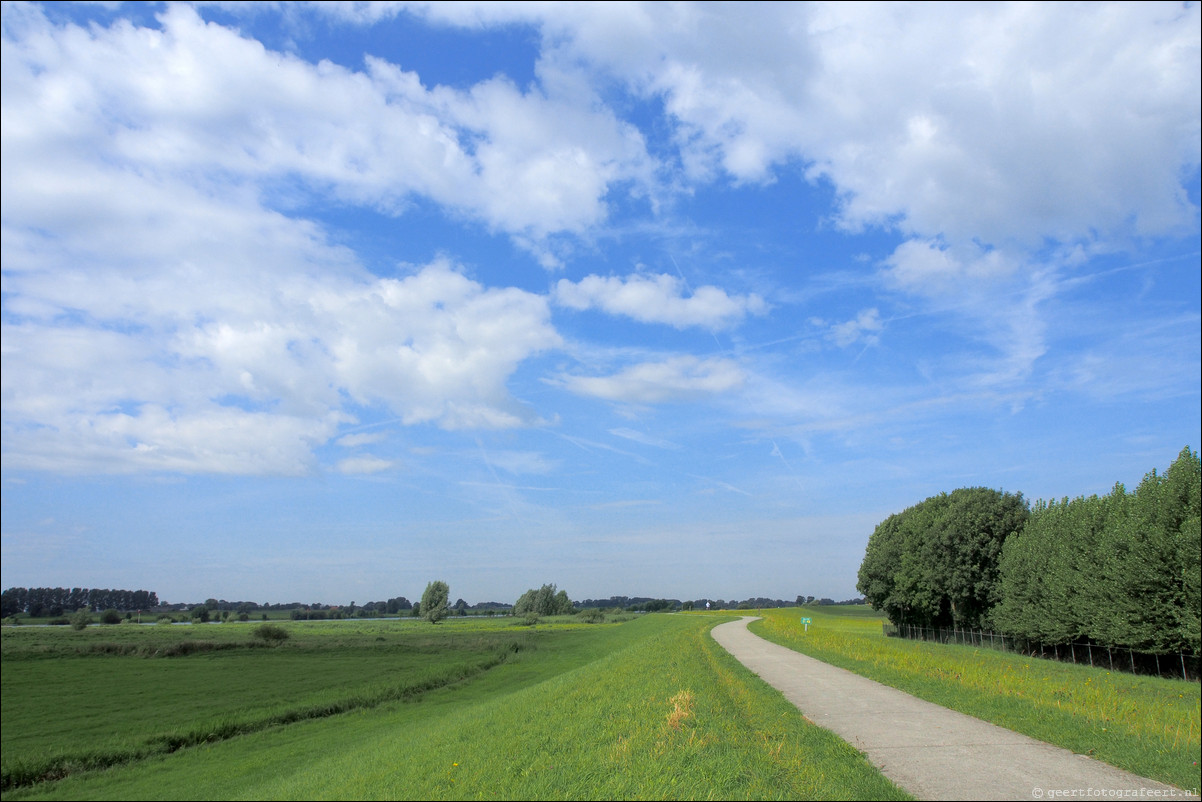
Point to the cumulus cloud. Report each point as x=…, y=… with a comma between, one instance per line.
x=998, y=122
x=1007, y=124
x=983, y=133
x=197, y=96
x=160, y=303
x=227, y=326
x=279, y=366
x=658, y=299
x=160, y=315
x=680, y=378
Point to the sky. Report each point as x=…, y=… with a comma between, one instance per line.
x=323, y=302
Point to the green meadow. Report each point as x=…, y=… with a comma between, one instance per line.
x=637, y=707
x=644, y=708
x=1146, y=725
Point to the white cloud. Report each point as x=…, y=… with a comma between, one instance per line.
x=658, y=299
x=1003, y=123
x=355, y=440
x=196, y=98
x=994, y=295
x=864, y=328
x=363, y=464
x=240, y=361
x=435, y=346
x=159, y=316
x=681, y=378
x=164, y=322
x=984, y=133
x=936, y=270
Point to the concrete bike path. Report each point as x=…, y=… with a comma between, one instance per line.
x=930, y=751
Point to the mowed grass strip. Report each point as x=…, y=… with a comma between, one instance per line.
x=650, y=709
x=1146, y=725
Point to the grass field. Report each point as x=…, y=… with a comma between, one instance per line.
x=1146, y=725
x=485, y=708
x=650, y=708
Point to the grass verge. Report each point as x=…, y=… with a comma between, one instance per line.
x=1146, y=725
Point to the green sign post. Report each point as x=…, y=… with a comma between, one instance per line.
x=807, y=623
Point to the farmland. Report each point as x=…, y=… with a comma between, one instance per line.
x=649, y=707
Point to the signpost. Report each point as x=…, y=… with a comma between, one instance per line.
x=807, y=623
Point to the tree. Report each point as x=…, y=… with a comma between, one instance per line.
x=1122, y=570
x=434, y=601
x=936, y=563
x=544, y=601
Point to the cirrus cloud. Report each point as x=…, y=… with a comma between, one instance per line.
x=675, y=379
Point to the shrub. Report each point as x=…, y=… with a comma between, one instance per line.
x=110, y=616
x=269, y=633
x=81, y=619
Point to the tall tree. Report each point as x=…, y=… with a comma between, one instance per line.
x=434, y=601
x=1122, y=570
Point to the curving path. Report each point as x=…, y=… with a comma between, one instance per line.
x=931, y=751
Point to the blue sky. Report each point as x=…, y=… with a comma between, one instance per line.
x=322, y=302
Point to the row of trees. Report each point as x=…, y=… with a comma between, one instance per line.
x=40, y=602
x=1122, y=570
x=547, y=600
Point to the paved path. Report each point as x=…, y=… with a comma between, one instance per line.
x=932, y=752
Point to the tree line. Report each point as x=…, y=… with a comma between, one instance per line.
x=1121, y=570
x=544, y=601
x=41, y=602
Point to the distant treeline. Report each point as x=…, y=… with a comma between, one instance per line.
x=1122, y=570
x=56, y=602
x=648, y=604
x=39, y=602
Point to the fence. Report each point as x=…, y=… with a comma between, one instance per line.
x=1112, y=658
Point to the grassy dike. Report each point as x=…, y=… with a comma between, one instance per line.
x=650, y=708
x=1146, y=725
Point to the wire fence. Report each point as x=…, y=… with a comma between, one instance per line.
x=1178, y=665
